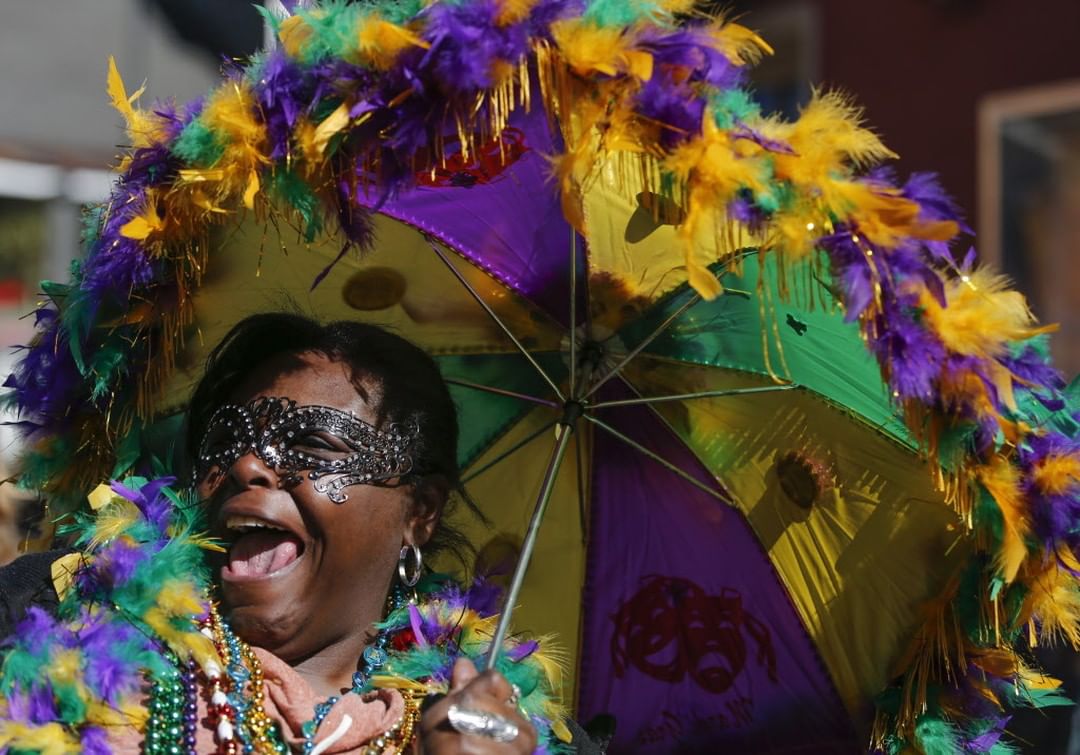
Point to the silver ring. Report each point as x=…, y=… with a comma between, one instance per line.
x=482, y=724
x=515, y=695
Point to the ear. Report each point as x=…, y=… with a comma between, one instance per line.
x=428, y=500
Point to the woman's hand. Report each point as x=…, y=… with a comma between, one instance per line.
x=475, y=693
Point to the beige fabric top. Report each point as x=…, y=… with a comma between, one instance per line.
x=291, y=702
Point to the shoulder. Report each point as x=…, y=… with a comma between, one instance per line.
x=25, y=582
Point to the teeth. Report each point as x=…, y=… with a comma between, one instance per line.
x=243, y=523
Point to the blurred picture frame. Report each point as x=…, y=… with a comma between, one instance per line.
x=784, y=83
x=1029, y=201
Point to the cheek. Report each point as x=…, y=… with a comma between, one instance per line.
x=369, y=518
x=209, y=484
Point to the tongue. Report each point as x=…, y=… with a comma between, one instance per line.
x=262, y=553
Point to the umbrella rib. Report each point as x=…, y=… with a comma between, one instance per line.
x=641, y=346
x=573, y=312
x=500, y=391
x=659, y=459
x=505, y=454
x=581, y=488
x=690, y=396
x=491, y=313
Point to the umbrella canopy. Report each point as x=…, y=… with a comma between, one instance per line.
x=664, y=511
x=653, y=305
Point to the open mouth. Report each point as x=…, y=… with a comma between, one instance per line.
x=259, y=549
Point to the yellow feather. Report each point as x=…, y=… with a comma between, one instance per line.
x=63, y=571
x=48, y=739
x=715, y=169
x=1054, y=601
x=982, y=317
x=678, y=6
x=112, y=521
x=380, y=43
x=881, y=214
x=588, y=49
x=231, y=113
x=100, y=496
x=827, y=139
x=1057, y=474
x=65, y=667
x=179, y=599
x=251, y=190
x=560, y=730
x=118, y=93
x=206, y=542
x=104, y=714
x=333, y=124
x=142, y=128
x=1002, y=480
x=513, y=11
x=739, y=44
x=294, y=33
x=147, y=224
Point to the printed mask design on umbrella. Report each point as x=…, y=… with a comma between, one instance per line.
x=671, y=628
x=628, y=109
x=489, y=162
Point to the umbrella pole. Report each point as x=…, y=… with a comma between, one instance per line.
x=565, y=430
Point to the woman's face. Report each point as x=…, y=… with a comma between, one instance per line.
x=303, y=572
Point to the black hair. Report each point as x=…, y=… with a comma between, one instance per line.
x=411, y=391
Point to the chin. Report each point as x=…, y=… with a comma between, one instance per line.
x=269, y=614
x=264, y=627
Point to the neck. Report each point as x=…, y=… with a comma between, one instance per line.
x=330, y=671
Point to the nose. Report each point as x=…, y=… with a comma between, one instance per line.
x=249, y=471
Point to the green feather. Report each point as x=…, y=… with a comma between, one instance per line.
x=935, y=736
x=619, y=13
x=290, y=188
x=198, y=145
x=732, y=106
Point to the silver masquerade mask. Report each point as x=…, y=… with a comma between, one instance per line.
x=333, y=447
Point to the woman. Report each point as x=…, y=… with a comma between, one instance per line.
x=326, y=456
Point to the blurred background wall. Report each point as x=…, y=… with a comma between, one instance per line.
x=59, y=135
x=985, y=92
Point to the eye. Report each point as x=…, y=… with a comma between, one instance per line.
x=320, y=444
x=217, y=439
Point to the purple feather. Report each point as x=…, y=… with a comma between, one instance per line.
x=416, y=624
x=912, y=354
x=95, y=741
x=110, y=671
x=117, y=563
x=1054, y=515
x=150, y=499
x=42, y=706
x=38, y=629
x=693, y=50
x=467, y=43
x=283, y=93
x=673, y=105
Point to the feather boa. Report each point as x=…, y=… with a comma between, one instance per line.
x=129, y=611
x=368, y=92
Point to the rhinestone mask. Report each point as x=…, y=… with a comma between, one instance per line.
x=333, y=447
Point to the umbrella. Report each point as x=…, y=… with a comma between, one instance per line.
x=653, y=305
x=671, y=492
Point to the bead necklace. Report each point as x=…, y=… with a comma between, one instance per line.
x=173, y=709
x=235, y=696
x=371, y=660
x=240, y=722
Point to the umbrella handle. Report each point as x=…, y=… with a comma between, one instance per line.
x=564, y=430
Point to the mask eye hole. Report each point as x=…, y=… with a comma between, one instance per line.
x=229, y=435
